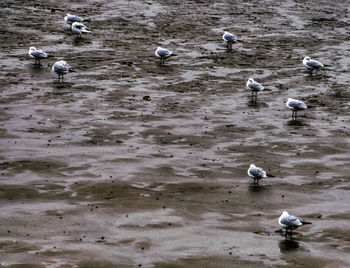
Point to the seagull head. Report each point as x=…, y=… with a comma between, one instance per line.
x=307, y=58
x=284, y=213
x=252, y=166
x=31, y=49
x=250, y=80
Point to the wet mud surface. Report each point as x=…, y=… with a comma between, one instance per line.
x=94, y=175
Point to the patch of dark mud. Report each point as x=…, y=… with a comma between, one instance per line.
x=44, y=166
x=199, y=262
x=24, y=265
x=17, y=246
x=15, y=193
x=184, y=87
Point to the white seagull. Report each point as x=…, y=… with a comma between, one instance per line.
x=295, y=105
x=163, y=54
x=37, y=54
x=254, y=87
x=79, y=29
x=229, y=39
x=70, y=19
x=290, y=222
x=61, y=68
x=312, y=64
x=257, y=173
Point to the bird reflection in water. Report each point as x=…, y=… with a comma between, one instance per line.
x=288, y=246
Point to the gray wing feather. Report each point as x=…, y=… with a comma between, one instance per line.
x=230, y=38
x=314, y=64
x=61, y=68
x=291, y=221
x=297, y=105
x=164, y=53
x=39, y=54
x=73, y=18
x=257, y=172
x=256, y=86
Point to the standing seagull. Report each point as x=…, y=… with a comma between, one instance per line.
x=257, y=173
x=254, y=87
x=295, y=105
x=290, y=222
x=229, y=39
x=163, y=54
x=37, y=54
x=61, y=68
x=79, y=29
x=70, y=19
x=312, y=64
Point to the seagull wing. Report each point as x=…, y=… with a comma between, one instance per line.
x=39, y=54
x=314, y=64
x=257, y=172
x=164, y=53
x=255, y=86
x=231, y=38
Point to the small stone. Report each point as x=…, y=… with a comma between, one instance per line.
x=147, y=98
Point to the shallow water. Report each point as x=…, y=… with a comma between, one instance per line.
x=92, y=175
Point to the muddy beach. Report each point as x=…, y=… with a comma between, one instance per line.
x=94, y=175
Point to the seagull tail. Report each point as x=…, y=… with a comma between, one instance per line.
x=173, y=55
x=269, y=175
x=267, y=89
x=71, y=70
x=305, y=222
x=86, y=19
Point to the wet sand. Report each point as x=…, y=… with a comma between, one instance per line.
x=92, y=175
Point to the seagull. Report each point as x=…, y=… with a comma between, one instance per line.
x=163, y=54
x=37, y=54
x=257, y=173
x=79, y=29
x=290, y=222
x=70, y=19
x=61, y=68
x=254, y=87
x=312, y=64
x=295, y=105
x=229, y=38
